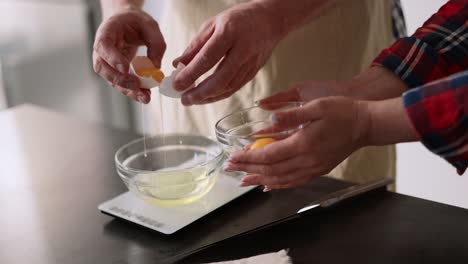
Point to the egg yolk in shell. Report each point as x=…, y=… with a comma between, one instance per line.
x=154, y=73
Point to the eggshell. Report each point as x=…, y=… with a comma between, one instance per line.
x=167, y=84
x=141, y=62
x=166, y=87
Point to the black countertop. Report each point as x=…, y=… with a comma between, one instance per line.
x=55, y=170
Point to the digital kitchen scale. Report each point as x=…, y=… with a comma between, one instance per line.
x=169, y=220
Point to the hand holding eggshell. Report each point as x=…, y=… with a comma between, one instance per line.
x=147, y=73
x=167, y=85
x=150, y=77
x=116, y=43
x=237, y=43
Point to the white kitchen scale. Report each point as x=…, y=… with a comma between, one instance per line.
x=169, y=220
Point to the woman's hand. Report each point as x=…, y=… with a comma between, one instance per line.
x=117, y=40
x=240, y=39
x=307, y=91
x=375, y=83
x=337, y=127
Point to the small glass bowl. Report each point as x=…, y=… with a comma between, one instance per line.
x=240, y=129
x=170, y=169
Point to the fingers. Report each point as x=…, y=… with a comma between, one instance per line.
x=142, y=95
x=212, y=86
x=272, y=153
x=131, y=29
x=215, y=87
x=208, y=56
x=245, y=75
x=305, y=91
x=278, y=181
x=107, y=51
x=280, y=168
x=127, y=84
x=225, y=95
x=116, y=42
x=196, y=44
x=273, y=102
x=113, y=76
x=296, y=116
x=154, y=40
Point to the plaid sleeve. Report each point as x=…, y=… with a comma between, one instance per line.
x=439, y=113
x=436, y=50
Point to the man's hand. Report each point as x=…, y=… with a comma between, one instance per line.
x=117, y=40
x=240, y=39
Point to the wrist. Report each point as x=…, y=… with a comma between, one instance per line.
x=287, y=17
x=389, y=123
x=273, y=16
x=363, y=123
x=112, y=7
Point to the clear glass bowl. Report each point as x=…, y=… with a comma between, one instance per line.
x=240, y=129
x=174, y=169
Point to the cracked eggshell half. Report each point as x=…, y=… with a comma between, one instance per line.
x=167, y=87
x=140, y=63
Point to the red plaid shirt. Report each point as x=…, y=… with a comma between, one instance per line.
x=438, y=111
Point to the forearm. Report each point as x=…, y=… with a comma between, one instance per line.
x=375, y=83
x=388, y=123
x=110, y=7
x=290, y=15
x=436, y=50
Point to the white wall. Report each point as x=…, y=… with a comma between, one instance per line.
x=418, y=11
x=421, y=173
x=45, y=51
x=3, y=103
x=45, y=54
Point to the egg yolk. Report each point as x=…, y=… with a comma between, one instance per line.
x=154, y=73
x=260, y=143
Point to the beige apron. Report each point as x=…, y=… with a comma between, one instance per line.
x=337, y=45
